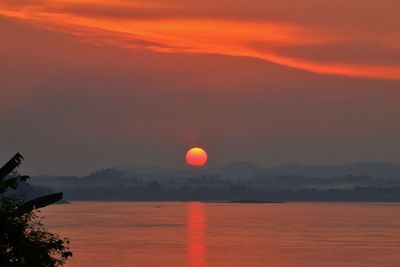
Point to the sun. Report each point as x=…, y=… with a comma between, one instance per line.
x=196, y=156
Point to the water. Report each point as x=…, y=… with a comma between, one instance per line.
x=207, y=234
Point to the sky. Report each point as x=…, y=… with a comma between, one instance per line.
x=89, y=84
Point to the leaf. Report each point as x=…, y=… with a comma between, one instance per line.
x=39, y=202
x=13, y=163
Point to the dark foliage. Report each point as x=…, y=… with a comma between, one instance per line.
x=23, y=240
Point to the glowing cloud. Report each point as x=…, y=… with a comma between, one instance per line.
x=163, y=26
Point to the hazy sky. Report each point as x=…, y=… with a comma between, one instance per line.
x=91, y=83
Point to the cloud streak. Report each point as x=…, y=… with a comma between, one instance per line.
x=307, y=43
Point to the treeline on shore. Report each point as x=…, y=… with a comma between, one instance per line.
x=114, y=185
x=155, y=192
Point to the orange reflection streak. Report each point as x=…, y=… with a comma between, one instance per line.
x=196, y=226
x=191, y=35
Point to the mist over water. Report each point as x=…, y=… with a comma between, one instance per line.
x=198, y=234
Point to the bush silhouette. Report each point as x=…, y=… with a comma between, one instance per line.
x=23, y=239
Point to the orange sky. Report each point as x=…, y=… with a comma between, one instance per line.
x=352, y=38
x=88, y=84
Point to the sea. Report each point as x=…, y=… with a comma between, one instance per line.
x=196, y=234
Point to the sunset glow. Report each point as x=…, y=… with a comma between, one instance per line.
x=165, y=26
x=252, y=80
x=200, y=133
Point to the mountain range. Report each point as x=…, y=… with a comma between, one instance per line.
x=246, y=170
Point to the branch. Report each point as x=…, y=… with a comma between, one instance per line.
x=38, y=203
x=13, y=163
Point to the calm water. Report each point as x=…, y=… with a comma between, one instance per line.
x=200, y=234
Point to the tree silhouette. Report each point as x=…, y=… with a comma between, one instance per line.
x=23, y=240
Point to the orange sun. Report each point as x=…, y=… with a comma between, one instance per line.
x=196, y=157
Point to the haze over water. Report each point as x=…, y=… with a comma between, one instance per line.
x=208, y=234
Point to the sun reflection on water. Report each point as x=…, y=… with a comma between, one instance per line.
x=196, y=227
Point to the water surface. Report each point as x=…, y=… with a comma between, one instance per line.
x=209, y=234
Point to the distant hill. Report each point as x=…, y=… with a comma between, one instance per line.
x=376, y=170
x=362, y=181
x=27, y=191
x=237, y=170
x=246, y=172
